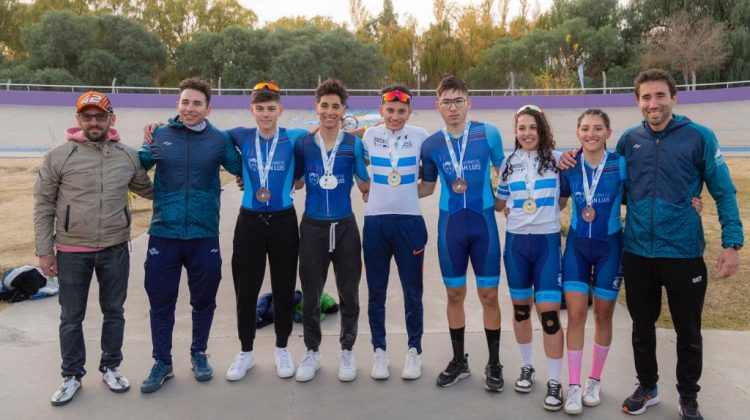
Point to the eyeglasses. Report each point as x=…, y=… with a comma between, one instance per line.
x=98, y=117
x=267, y=85
x=448, y=103
x=396, y=95
x=529, y=107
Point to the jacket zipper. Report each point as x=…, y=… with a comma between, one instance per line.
x=127, y=216
x=101, y=191
x=187, y=185
x=653, y=196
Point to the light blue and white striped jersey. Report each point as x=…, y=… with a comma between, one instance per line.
x=545, y=192
x=403, y=198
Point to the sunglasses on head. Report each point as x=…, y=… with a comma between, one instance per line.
x=267, y=85
x=529, y=107
x=396, y=95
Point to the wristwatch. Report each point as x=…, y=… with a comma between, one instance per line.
x=737, y=247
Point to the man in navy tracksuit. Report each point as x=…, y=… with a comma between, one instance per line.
x=668, y=159
x=184, y=232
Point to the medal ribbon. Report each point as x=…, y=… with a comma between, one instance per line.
x=393, y=149
x=595, y=177
x=329, y=161
x=458, y=164
x=530, y=168
x=265, y=169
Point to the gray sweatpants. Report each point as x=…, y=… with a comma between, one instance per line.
x=322, y=242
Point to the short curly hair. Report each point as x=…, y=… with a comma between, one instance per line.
x=332, y=86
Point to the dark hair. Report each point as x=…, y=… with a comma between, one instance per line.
x=264, y=95
x=655, y=75
x=197, y=84
x=546, y=143
x=332, y=86
x=597, y=112
x=452, y=82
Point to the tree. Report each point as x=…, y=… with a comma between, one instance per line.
x=441, y=54
x=11, y=19
x=688, y=45
x=297, y=22
x=360, y=18
x=401, y=51
x=476, y=30
x=57, y=41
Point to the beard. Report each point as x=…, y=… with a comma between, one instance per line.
x=101, y=136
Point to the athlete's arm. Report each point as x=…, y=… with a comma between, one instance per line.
x=299, y=183
x=425, y=188
x=563, y=201
x=148, y=131
x=568, y=159
x=500, y=204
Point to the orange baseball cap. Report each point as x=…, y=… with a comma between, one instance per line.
x=95, y=99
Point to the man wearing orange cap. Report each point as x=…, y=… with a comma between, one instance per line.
x=81, y=212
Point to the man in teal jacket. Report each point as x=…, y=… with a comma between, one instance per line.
x=669, y=158
x=187, y=153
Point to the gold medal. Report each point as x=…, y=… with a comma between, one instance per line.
x=263, y=195
x=394, y=179
x=459, y=186
x=588, y=214
x=529, y=206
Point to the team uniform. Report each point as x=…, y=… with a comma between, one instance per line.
x=394, y=228
x=664, y=242
x=184, y=232
x=466, y=225
x=329, y=233
x=596, y=244
x=267, y=227
x=532, y=241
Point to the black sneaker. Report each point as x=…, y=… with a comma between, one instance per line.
x=689, y=409
x=526, y=380
x=493, y=377
x=456, y=370
x=641, y=399
x=553, y=401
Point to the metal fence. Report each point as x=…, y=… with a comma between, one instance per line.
x=113, y=88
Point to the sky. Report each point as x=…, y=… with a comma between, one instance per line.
x=338, y=10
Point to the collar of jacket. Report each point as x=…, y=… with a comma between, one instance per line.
x=677, y=121
x=176, y=123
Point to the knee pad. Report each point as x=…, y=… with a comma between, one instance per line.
x=550, y=322
x=521, y=312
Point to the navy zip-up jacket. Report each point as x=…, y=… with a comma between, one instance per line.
x=666, y=170
x=187, y=189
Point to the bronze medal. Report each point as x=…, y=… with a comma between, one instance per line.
x=529, y=206
x=459, y=186
x=263, y=195
x=588, y=214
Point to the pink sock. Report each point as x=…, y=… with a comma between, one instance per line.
x=600, y=356
x=574, y=366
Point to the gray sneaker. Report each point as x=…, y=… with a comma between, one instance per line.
x=115, y=380
x=67, y=391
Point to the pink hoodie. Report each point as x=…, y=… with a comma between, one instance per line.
x=76, y=133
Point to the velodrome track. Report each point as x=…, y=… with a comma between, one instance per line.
x=29, y=349
x=29, y=130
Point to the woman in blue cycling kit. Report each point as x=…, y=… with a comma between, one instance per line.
x=594, y=242
x=529, y=185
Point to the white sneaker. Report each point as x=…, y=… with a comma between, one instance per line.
x=308, y=366
x=67, y=391
x=347, y=366
x=592, y=393
x=573, y=403
x=243, y=362
x=380, y=365
x=284, y=364
x=114, y=379
x=412, y=365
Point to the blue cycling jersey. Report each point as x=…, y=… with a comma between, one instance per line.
x=484, y=146
x=322, y=204
x=606, y=201
x=281, y=172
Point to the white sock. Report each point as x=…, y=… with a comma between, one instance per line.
x=555, y=368
x=525, y=350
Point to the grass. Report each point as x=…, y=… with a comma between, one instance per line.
x=17, y=206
